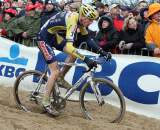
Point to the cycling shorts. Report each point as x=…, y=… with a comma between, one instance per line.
x=46, y=44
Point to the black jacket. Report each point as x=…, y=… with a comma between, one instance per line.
x=109, y=35
x=46, y=15
x=133, y=36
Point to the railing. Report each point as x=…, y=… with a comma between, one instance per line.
x=143, y=51
x=83, y=45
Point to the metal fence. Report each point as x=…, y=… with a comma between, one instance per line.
x=83, y=45
x=143, y=51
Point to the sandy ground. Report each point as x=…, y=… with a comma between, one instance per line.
x=11, y=118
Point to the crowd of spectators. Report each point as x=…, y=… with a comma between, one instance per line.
x=120, y=28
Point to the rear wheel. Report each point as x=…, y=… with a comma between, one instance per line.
x=112, y=108
x=28, y=90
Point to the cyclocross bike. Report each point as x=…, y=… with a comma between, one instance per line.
x=97, y=96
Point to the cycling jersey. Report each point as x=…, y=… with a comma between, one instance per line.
x=57, y=31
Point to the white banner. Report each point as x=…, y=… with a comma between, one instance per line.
x=138, y=77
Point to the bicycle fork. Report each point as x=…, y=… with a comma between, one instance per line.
x=96, y=91
x=35, y=94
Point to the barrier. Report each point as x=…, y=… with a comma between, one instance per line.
x=137, y=76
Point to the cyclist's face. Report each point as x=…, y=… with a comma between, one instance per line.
x=85, y=21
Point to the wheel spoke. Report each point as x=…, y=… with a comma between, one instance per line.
x=110, y=105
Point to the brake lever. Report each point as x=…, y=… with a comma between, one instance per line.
x=89, y=69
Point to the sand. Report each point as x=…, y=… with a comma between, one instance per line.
x=11, y=118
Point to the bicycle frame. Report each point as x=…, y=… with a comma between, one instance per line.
x=88, y=75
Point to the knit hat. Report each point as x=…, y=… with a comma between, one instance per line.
x=11, y=12
x=30, y=7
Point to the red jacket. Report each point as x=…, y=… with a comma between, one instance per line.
x=118, y=23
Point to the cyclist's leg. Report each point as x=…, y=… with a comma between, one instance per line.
x=54, y=72
x=49, y=56
x=60, y=80
x=65, y=69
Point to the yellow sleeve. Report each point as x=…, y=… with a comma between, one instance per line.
x=70, y=49
x=148, y=37
x=71, y=26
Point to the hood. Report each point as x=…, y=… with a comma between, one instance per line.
x=106, y=18
x=153, y=8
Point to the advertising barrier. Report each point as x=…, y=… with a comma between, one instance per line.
x=138, y=77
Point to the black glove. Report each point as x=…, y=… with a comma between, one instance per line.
x=106, y=55
x=90, y=63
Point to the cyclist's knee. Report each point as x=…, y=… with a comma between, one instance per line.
x=56, y=72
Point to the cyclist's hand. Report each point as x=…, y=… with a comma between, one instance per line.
x=90, y=63
x=106, y=55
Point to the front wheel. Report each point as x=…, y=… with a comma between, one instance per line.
x=28, y=90
x=112, y=105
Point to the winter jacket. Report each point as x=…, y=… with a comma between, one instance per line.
x=107, y=38
x=46, y=15
x=118, y=23
x=28, y=24
x=152, y=35
x=8, y=26
x=133, y=36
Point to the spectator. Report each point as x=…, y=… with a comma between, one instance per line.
x=106, y=9
x=1, y=12
x=7, y=4
x=100, y=8
x=131, y=37
x=28, y=25
x=6, y=27
x=152, y=34
x=125, y=10
x=21, y=8
x=144, y=20
x=50, y=10
x=39, y=8
x=117, y=19
x=107, y=37
x=62, y=4
x=141, y=4
x=67, y=8
x=29, y=2
x=75, y=6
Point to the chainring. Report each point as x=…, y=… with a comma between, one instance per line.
x=58, y=102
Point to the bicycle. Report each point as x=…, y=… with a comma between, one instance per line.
x=95, y=91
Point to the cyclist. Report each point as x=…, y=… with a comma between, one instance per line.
x=59, y=32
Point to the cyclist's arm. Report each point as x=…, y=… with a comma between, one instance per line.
x=73, y=51
x=70, y=49
x=71, y=26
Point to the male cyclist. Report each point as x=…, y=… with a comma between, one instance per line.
x=59, y=32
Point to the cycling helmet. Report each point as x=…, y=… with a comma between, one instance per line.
x=88, y=11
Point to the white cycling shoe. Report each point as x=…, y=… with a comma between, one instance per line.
x=51, y=110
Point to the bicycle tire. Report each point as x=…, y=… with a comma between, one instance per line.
x=17, y=91
x=110, y=85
